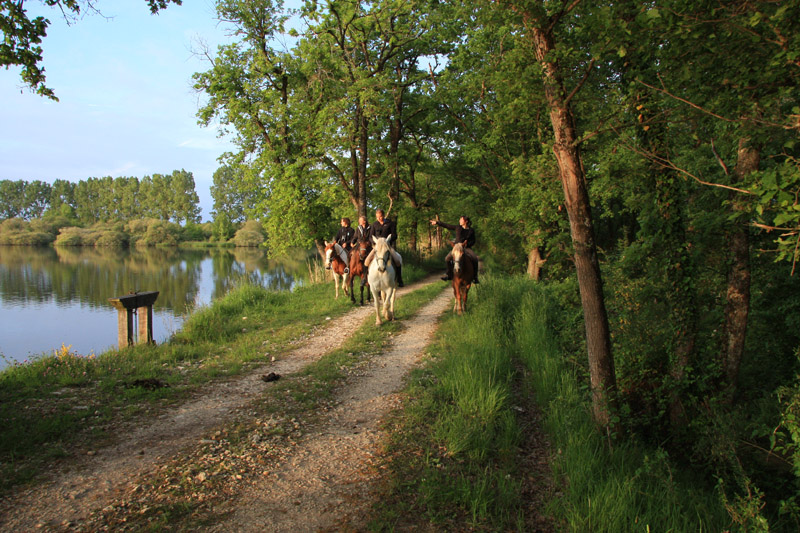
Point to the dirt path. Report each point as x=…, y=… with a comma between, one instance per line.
x=328, y=477
x=319, y=478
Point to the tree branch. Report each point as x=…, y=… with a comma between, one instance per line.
x=580, y=84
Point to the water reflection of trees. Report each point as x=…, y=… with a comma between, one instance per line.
x=93, y=275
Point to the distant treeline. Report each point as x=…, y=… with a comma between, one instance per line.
x=60, y=230
x=169, y=197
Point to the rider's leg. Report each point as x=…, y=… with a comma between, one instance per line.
x=343, y=257
x=474, y=259
x=449, y=262
x=397, y=261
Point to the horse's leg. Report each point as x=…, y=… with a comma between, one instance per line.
x=335, y=283
x=393, y=292
x=387, y=303
x=377, y=310
x=455, y=295
x=369, y=292
x=466, y=294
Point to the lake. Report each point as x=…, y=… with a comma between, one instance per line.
x=59, y=295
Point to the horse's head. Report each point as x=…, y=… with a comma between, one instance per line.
x=364, y=248
x=458, y=253
x=330, y=247
x=382, y=251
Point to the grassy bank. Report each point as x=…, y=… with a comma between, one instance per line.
x=459, y=444
x=67, y=404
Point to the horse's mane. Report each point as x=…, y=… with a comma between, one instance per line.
x=458, y=248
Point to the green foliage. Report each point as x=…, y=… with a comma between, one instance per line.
x=250, y=234
x=171, y=197
x=15, y=231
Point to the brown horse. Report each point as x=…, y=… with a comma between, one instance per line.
x=334, y=263
x=463, y=274
x=357, y=268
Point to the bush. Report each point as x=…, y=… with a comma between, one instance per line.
x=112, y=239
x=196, y=232
x=160, y=233
x=12, y=225
x=251, y=234
x=70, y=237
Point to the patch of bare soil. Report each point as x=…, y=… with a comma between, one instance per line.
x=92, y=481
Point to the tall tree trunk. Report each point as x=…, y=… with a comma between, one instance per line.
x=573, y=181
x=738, y=298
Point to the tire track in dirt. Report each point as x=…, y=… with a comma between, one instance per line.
x=91, y=482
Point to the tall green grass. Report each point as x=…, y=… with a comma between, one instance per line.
x=617, y=487
x=455, y=445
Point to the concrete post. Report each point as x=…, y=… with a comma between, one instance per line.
x=140, y=303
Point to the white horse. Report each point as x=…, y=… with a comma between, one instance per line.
x=382, y=279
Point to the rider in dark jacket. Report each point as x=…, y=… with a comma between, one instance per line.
x=465, y=235
x=362, y=232
x=384, y=227
x=344, y=237
x=345, y=234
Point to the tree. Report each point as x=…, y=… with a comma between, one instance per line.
x=22, y=36
x=36, y=198
x=307, y=118
x=540, y=28
x=184, y=199
x=226, y=192
x=12, y=198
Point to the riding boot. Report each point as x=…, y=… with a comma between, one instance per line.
x=475, y=277
x=399, y=270
x=449, y=275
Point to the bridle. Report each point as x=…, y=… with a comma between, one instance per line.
x=363, y=250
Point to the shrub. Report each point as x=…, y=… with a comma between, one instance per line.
x=11, y=225
x=138, y=227
x=70, y=237
x=195, y=232
x=112, y=239
x=160, y=233
x=251, y=234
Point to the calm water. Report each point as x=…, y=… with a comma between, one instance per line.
x=50, y=296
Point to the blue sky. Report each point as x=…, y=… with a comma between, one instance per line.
x=127, y=107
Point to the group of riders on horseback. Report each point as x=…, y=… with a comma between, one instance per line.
x=348, y=237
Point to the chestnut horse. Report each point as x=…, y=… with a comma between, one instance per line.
x=357, y=268
x=382, y=279
x=334, y=263
x=463, y=274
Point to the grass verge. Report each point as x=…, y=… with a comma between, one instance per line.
x=457, y=451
